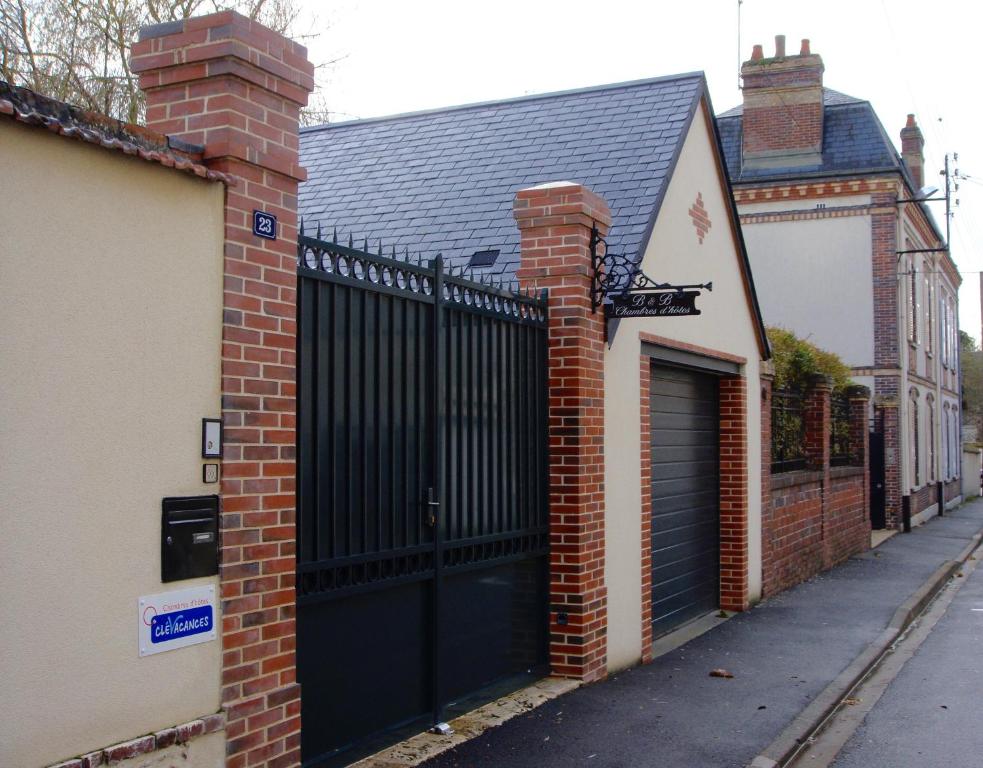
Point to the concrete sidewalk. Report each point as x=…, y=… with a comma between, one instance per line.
x=783, y=653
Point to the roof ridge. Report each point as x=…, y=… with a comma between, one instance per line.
x=695, y=74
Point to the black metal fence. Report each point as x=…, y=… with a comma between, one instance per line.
x=788, y=431
x=841, y=453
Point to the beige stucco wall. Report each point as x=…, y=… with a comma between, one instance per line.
x=110, y=309
x=814, y=276
x=726, y=324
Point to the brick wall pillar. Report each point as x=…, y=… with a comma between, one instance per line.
x=733, y=494
x=236, y=87
x=555, y=223
x=859, y=398
x=767, y=506
x=817, y=409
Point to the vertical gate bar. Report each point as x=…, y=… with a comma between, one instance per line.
x=495, y=424
x=486, y=424
x=474, y=508
x=544, y=428
x=381, y=424
x=393, y=441
x=339, y=416
x=436, y=432
x=460, y=500
x=365, y=428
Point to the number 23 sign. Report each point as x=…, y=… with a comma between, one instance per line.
x=264, y=225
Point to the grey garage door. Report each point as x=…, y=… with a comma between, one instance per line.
x=685, y=495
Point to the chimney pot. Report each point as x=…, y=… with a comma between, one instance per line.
x=779, y=46
x=758, y=53
x=804, y=50
x=911, y=121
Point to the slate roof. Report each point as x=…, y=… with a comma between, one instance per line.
x=26, y=106
x=443, y=181
x=854, y=141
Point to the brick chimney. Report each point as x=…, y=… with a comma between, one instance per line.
x=783, y=108
x=912, y=144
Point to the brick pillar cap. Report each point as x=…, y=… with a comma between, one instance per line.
x=820, y=381
x=857, y=392
x=560, y=202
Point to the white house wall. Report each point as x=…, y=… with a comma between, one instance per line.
x=726, y=324
x=829, y=259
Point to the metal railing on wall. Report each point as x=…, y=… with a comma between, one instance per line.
x=788, y=431
x=841, y=453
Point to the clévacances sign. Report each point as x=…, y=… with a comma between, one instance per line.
x=176, y=619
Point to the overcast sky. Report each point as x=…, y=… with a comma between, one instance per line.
x=903, y=56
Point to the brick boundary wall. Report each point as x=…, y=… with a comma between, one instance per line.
x=237, y=88
x=555, y=222
x=734, y=539
x=818, y=517
x=952, y=489
x=145, y=745
x=645, y=447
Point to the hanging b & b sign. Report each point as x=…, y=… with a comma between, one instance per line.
x=624, y=290
x=660, y=304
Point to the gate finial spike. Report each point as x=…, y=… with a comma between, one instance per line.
x=380, y=246
x=365, y=244
x=301, y=226
x=334, y=237
x=351, y=242
x=394, y=251
x=319, y=230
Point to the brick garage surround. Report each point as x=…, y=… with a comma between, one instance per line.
x=555, y=222
x=645, y=424
x=236, y=87
x=733, y=494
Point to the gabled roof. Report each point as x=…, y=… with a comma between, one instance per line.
x=444, y=180
x=26, y=106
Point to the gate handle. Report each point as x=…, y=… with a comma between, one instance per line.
x=432, y=507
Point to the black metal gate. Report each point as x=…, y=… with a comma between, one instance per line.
x=878, y=517
x=422, y=504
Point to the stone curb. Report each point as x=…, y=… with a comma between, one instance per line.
x=814, y=716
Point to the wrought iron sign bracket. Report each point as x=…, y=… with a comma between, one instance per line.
x=620, y=286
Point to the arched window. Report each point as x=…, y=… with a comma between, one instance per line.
x=913, y=452
x=956, y=440
x=946, y=442
x=930, y=415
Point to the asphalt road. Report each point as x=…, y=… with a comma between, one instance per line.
x=932, y=712
x=782, y=653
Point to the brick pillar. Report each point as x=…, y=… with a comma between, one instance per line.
x=889, y=335
x=818, y=415
x=236, y=87
x=555, y=223
x=859, y=398
x=733, y=494
x=645, y=451
x=767, y=507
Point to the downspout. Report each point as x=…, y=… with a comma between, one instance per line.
x=903, y=349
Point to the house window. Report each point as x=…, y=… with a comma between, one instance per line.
x=912, y=303
x=913, y=439
x=930, y=415
x=944, y=316
x=946, y=442
x=955, y=436
x=929, y=324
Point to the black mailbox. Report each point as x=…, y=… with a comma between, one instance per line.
x=189, y=537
